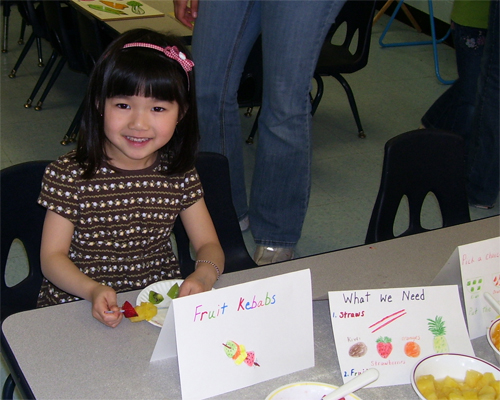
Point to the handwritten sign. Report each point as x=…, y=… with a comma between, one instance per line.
x=475, y=267
x=391, y=329
x=234, y=337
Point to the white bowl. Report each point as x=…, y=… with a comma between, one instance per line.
x=489, y=333
x=448, y=364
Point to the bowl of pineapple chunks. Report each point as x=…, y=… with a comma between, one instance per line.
x=450, y=376
x=493, y=335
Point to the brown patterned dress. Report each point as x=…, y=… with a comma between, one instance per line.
x=122, y=219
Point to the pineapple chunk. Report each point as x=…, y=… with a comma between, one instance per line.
x=146, y=311
x=476, y=386
x=485, y=380
x=496, y=385
x=450, y=382
x=425, y=385
x=470, y=394
x=471, y=378
x=486, y=393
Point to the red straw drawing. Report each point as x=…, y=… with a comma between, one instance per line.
x=395, y=315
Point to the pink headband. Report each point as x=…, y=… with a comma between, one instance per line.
x=171, y=52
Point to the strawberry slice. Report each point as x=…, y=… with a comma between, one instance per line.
x=129, y=310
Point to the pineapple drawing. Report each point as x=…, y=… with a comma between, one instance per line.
x=437, y=328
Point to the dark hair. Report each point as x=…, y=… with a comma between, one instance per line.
x=145, y=72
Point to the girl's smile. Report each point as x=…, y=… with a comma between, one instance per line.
x=136, y=127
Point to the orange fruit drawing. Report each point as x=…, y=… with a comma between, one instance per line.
x=412, y=349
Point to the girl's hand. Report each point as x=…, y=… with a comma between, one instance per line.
x=104, y=299
x=186, y=15
x=201, y=280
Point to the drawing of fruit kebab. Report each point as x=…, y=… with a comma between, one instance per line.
x=437, y=328
x=238, y=353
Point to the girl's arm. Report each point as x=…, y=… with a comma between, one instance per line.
x=63, y=273
x=203, y=237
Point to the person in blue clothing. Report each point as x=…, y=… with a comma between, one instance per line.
x=454, y=110
x=483, y=161
x=292, y=35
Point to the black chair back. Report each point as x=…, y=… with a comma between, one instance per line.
x=337, y=59
x=357, y=15
x=22, y=219
x=214, y=175
x=416, y=163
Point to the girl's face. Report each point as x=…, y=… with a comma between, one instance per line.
x=136, y=128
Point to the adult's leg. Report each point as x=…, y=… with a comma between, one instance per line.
x=483, y=185
x=292, y=35
x=223, y=36
x=454, y=109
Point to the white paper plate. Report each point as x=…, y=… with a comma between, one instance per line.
x=161, y=287
x=305, y=391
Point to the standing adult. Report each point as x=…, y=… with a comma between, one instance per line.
x=292, y=35
x=454, y=110
x=484, y=166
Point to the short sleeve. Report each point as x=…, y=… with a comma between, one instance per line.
x=192, y=189
x=59, y=191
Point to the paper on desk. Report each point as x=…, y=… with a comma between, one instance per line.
x=271, y=318
x=475, y=267
x=117, y=10
x=390, y=329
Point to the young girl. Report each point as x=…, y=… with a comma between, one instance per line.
x=112, y=202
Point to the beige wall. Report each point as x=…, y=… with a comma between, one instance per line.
x=442, y=8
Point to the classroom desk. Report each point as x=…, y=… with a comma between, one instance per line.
x=62, y=352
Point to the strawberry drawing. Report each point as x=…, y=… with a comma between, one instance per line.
x=384, y=346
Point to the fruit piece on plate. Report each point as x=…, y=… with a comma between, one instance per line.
x=173, y=293
x=146, y=311
x=155, y=298
x=129, y=310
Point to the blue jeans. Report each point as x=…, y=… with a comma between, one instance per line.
x=454, y=110
x=292, y=36
x=484, y=169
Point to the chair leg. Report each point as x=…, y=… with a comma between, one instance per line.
x=21, y=34
x=25, y=50
x=52, y=80
x=42, y=78
x=254, y=128
x=319, y=93
x=8, y=388
x=352, y=103
x=434, y=40
x=5, y=30
x=39, y=49
x=72, y=132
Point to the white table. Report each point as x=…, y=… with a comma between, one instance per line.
x=62, y=352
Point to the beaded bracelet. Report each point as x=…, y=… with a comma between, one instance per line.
x=212, y=264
